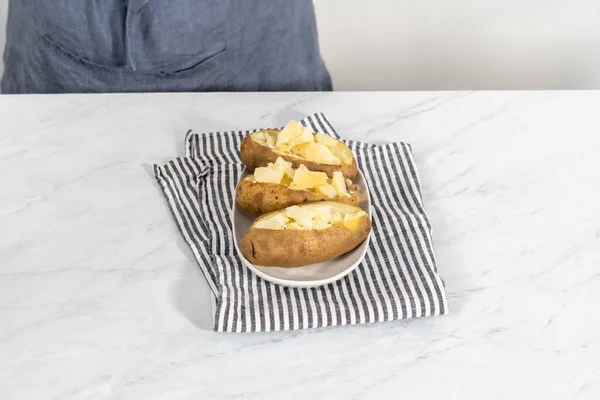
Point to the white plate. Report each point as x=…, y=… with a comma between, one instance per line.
x=309, y=275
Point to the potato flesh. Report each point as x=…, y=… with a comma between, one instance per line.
x=295, y=140
x=270, y=140
x=275, y=222
x=281, y=172
x=304, y=218
x=314, y=216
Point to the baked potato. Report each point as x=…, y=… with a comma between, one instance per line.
x=300, y=146
x=278, y=186
x=306, y=234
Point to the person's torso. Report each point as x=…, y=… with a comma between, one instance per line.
x=151, y=36
x=237, y=43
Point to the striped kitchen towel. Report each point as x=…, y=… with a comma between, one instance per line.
x=398, y=278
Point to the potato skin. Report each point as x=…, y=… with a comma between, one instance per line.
x=296, y=248
x=254, y=155
x=259, y=198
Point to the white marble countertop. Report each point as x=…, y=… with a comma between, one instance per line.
x=101, y=299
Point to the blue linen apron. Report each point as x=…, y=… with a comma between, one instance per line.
x=81, y=46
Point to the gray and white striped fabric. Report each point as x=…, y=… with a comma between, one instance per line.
x=398, y=278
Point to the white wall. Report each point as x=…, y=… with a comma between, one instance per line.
x=456, y=44
x=461, y=44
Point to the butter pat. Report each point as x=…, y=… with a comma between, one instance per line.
x=326, y=140
x=351, y=220
x=326, y=189
x=288, y=133
x=305, y=179
x=338, y=183
x=268, y=175
x=320, y=153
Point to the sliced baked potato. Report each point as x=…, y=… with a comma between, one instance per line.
x=306, y=234
x=300, y=146
x=279, y=185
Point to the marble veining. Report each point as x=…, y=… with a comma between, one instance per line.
x=100, y=298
